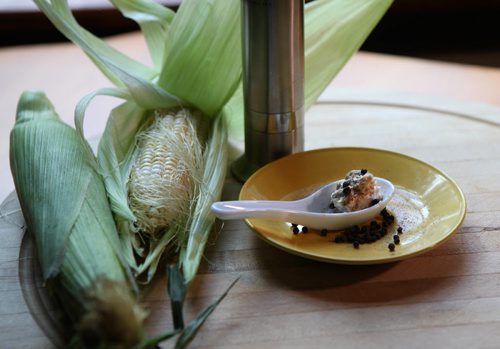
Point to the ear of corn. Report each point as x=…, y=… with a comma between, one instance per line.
x=65, y=207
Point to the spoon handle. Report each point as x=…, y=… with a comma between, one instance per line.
x=252, y=209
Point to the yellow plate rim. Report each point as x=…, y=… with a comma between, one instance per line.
x=349, y=261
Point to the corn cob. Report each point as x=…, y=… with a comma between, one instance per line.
x=166, y=171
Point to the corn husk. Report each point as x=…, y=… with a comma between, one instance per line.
x=64, y=203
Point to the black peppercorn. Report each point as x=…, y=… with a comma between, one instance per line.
x=345, y=184
x=305, y=229
x=391, y=246
x=396, y=239
x=295, y=230
x=355, y=244
x=400, y=230
x=374, y=226
x=364, y=171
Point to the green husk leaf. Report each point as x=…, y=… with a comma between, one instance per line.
x=216, y=156
x=190, y=331
x=59, y=13
x=203, y=58
x=234, y=115
x=333, y=31
x=177, y=292
x=155, y=253
x=121, y=70
x=154, y=20
x=145, y=93
x=152, y=343
x=115, y=154
x=85, y=101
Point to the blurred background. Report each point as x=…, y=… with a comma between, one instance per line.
x=462, y=31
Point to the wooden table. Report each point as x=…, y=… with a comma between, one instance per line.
x=446, y=298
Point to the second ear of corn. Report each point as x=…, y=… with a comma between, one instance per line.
x=64, y=203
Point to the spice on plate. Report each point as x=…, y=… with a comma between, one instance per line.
x=367, y=233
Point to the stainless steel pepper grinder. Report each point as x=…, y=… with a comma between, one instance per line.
x=273, y=82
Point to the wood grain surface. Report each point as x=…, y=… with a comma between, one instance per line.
x=446, y=298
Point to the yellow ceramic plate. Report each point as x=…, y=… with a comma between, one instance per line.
x=427, y=204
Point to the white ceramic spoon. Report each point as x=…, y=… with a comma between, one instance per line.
x=311, y=211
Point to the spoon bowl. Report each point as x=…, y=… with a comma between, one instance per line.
x=311, y=211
